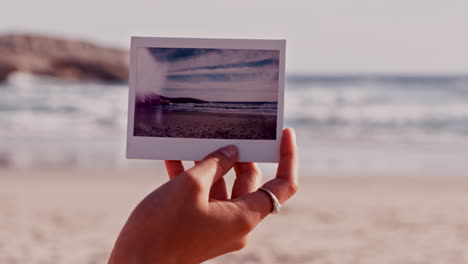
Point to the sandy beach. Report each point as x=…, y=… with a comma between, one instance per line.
x=161, y=123
x=75, y=216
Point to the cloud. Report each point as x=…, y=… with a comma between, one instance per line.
x=216, y=74
x=175, y=54
x=250, y=64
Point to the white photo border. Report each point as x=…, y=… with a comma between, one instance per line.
x=169, y=148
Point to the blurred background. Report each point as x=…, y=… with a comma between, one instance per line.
x=376, y=90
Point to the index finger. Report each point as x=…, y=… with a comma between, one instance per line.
x=288, y=165
x=283, y=186
x=286, y=182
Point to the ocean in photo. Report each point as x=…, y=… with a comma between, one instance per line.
x=360, y=124
x=247, y=108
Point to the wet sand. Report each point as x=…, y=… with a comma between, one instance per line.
x=74, y=217
x=161, y=123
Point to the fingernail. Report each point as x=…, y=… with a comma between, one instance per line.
x=229, y=151
x=293, y=134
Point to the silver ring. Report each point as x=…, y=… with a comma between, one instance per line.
x=276, y=206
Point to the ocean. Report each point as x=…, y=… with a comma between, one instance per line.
x=352, y=125
x=252, y=108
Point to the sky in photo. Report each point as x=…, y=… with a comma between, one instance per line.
x=209, y=74
x=323, y=35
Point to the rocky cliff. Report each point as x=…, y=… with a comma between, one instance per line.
x=61, y=58
x=154, y=99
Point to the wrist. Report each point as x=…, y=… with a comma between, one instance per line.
x=128, y=255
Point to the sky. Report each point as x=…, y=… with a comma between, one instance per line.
x=396, y=36
x=209, y=74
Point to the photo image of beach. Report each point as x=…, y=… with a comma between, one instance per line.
x=206, y=93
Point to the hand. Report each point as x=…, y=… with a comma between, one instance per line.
x=190, y=218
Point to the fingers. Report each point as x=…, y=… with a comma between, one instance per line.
x=218, y=191
x=174, y=168
x=248, y=179
x=287, y=167
x=214, y=166
x=283, y=186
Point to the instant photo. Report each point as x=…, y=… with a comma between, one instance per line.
x=204, y=92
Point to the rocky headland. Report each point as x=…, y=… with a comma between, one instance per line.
x=61, y=58
x=154, y=99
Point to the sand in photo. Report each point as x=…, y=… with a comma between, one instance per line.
x=204, y=125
